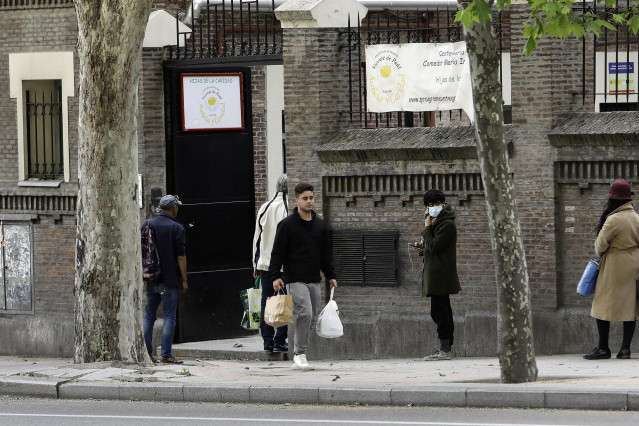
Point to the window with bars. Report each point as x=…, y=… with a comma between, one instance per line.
x=365, y=258
x=43, y=129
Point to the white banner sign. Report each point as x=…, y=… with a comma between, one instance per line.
x=212, y=102
x=416, y=77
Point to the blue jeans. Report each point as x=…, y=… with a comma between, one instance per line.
x=169, y=307
x=269, y=335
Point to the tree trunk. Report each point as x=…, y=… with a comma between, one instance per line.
x=514, y=319
x=108, y=283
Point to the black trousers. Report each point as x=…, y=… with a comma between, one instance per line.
x=442, y=314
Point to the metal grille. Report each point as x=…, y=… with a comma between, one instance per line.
x=230, y=29
x=620, y=46
x=16, y=290
x=44, y=134
x=365, y=258
x=415, y=26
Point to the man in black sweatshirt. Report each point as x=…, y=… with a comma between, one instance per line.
x=303, y=247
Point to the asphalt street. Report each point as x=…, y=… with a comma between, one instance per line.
x=34, y=411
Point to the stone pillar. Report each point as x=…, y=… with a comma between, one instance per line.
x=315, y=81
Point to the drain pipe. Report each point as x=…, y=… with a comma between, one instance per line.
x=195, y=6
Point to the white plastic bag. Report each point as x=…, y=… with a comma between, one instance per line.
x=328, y=323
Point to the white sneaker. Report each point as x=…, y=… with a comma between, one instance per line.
x=299, y=361
x=439, y=355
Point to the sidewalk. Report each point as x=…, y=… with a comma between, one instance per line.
x=565, y=381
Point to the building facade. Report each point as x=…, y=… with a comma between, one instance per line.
x=370, y=171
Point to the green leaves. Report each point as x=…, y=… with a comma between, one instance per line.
x=558, y=18
x=633, y=24
x=476, y=11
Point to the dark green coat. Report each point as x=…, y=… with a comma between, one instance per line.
x=440, y=255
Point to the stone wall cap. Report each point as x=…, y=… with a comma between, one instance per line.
x=597, y=129
x=394, y=144
x=599, y=123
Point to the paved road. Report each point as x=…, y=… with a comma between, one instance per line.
x=32, y=411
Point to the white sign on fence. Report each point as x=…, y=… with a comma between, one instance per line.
x=212, y=102
x=417, y=77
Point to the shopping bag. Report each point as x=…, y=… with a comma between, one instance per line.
x=251, y=301
x=279, y=310
x=588, y=279
x=328, y=323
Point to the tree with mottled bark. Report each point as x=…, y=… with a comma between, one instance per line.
x=108, y=283
x=555, y=18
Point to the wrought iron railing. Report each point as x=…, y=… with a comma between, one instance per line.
x=234, y=28
x=614, y=52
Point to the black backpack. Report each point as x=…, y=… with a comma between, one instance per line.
x=151, y=268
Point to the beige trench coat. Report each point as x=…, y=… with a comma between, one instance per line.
x=615, y=293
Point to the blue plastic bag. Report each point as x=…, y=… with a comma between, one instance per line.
x=588, y=280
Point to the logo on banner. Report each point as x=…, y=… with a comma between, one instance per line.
x=386, y=80
x=211, y=106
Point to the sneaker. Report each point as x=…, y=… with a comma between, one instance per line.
x=439, y=355
x=170, y=359
x=268, y=349
x=153, y=360
x=280, y=348
x=299, y=361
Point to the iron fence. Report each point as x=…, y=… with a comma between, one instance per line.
x=614, y=57
x=237, y=29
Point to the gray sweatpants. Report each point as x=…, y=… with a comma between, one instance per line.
x=306, y=300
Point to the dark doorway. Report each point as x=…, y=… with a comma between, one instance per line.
x=212, y=172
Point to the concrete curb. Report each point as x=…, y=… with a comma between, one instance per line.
x=504, y=396
x=29, y=387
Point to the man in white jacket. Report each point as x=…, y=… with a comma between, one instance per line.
x=269, y=215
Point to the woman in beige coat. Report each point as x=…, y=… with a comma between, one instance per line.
x=615, y=293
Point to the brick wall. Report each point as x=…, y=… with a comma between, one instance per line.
x=533, y=91
x=53, y=229
x=315, y=97
x=151, y=126
x=260, y=167
x=54, y=265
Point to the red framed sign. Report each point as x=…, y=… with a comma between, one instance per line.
x=212, y=101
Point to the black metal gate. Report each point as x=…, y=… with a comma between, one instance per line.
x=212, y=172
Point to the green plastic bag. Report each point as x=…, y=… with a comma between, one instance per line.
x=251, y=301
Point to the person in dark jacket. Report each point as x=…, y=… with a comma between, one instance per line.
x=303, y=247
x=170, y=239
x=440, y=279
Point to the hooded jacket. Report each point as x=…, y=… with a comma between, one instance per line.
x=303, y=247
x=269, y=215
x=440, y=255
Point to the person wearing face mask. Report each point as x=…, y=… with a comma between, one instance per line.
x=440, y=278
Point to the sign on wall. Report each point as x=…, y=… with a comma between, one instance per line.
x=615, y=79
x=417, y=77
x=621, y=77
x=212, y=101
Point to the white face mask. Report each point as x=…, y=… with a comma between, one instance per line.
x=434, y=211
